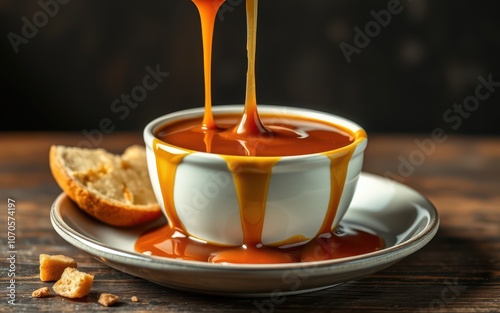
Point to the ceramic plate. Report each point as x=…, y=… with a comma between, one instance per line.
x=405, y=219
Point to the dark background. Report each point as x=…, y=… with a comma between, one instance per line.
x=89, y=53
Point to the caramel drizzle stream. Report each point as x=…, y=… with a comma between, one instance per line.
x=250, y=123
x=208, y=12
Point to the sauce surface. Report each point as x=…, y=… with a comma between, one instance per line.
x=289, y=135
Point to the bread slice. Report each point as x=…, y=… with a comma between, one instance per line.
x=112, y=188
x=73, y=283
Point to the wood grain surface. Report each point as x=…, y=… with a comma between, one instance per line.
x=458, y=271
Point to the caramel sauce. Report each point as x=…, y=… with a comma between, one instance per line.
x=265, y=139
x=291, y=135
x=345, y=241
x=208, y=12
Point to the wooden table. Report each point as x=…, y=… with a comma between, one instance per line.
x=458, y=271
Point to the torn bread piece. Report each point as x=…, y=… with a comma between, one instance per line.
x=73, y=284
x=52, y=266
x=114, y=189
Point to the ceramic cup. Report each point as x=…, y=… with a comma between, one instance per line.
x=299, y=193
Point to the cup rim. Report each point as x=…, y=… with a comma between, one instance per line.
x=359, y=144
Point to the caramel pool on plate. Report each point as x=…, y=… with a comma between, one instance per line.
x=346, y=241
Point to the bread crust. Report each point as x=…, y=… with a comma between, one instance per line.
x=108, y=211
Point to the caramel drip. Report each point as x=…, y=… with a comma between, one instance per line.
x=166, y=164
x=252, y=181
x=208, y=12
x=338, y=173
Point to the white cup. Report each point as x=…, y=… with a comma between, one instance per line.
x=205, y=199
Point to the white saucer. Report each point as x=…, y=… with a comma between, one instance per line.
x=404, y=218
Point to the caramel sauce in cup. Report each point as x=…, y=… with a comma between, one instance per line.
x=301, y=149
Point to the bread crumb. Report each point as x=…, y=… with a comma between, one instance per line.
x=108, y=299
x=41, y=292
x=134, y=299
x=52, y=266
x=73, y=283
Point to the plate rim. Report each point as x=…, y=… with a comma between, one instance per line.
x=389, y=254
